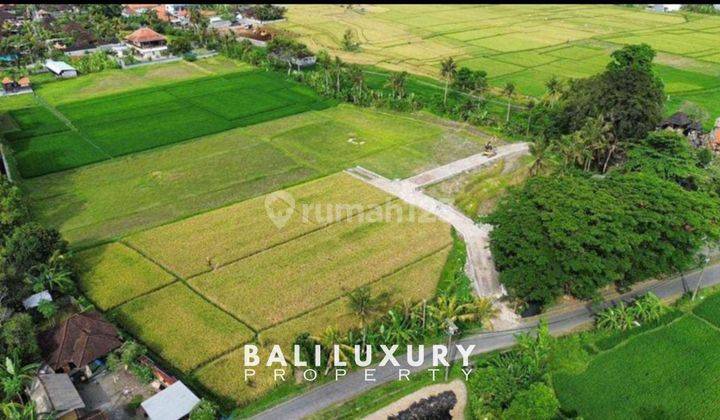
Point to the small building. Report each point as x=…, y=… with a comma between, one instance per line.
x=34, y=300
x=666, y=7
x=81, y=339
x=55, y=396
x=172, y=403
x=147, y=44
x=16, y=87
x=61, y=69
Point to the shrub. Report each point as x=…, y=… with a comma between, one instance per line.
x=135, y=402
x=538, y=402
x=205, y=410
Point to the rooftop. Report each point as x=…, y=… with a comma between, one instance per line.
x=54, y=393
x=172, y=403
x=144, y=34
x=78, y=341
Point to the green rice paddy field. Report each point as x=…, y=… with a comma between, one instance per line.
x=525, y=45
x=667, y=372
x=52, y=137
x=111, y=199
x=237, y=277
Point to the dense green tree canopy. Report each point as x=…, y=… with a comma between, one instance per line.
x=669, y=156
x=572, y=234
x=627, y=94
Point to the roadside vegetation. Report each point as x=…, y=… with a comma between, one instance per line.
x=612, y=202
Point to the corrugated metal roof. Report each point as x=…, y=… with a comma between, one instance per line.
x=58, y=67
x=172, y=403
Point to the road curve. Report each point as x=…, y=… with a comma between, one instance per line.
x=354, y=384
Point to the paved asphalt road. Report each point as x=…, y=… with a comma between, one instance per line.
x=354, y=384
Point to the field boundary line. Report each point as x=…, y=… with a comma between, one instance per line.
x=65, y=120
x=149, y=292
x=316, y=229
x=710, y=324
x=186, y=283
x=642, y=333
x=377, y=280
x=213, y=359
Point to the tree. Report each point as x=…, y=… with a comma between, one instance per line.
x=554, y=87
x=330, y=338
x=396, y=83
x=27, y=246
x=628, y=94
x=449, y=308
x=669, y=156
x=504, y=377
x=349, y=41
x=538, y=402
x=573, y=234
x=17, y=338
x=508, y=91
x=448, y=69
x=357, y=78
x=180, y=45
x=13, y=212
x=365, y=306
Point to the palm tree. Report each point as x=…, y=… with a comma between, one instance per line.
x=448, y=69
x=448, y=308
x=357, y=77
x=554, y=88
x=508, y=91
x=14, y=377
x=330, y=338
x=540, y=150
x=396, y=83
x=324, y=61
x=365, y=306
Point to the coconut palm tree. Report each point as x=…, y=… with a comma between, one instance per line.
x=508, y=91
x=357, y=77
x=450, y=309
x=336, y=67
x=448, y=69
x=397, y=329
x=330, y=338
x=365, y=306
x=14, y=377
x=396, y=83
x=541, y=151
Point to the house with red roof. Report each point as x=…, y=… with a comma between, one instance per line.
x=147, y=44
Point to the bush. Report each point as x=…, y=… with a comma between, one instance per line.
x=135, y=402
x=47, y=309
x=538, y=402
x=205, y=410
